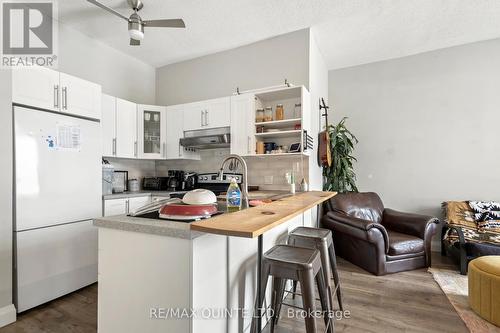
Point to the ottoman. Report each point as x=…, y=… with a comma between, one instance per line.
x=484, y=288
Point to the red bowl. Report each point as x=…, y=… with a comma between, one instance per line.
x=188, y=210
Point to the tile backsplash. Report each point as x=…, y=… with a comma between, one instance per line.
x=137, y=169
x=266, y=172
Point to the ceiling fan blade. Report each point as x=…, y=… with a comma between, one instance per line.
x=135, y=42
x=175, y=23
x=106, y=8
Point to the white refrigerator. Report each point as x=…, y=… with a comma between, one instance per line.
x=57, y=193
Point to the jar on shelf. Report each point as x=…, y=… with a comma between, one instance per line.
x=259, y=115
x=280, y=112
x=297, y=111
x=268, y=114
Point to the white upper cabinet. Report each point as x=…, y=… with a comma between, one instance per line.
x=36, y=86
x=242, y=124
x=175, y=131
x=108, y=125
x=80, y=97
x=126, y=129
x=207, y=114
x=217, y=112
x=193, y=116
x=152, y=136
x=48, y=89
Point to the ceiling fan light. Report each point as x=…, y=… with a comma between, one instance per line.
x=136, y=30
x=136, y=34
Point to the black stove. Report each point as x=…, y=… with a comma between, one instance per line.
x=211, y=181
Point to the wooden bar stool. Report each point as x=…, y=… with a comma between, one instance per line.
x=320, y=239
x=285, y=262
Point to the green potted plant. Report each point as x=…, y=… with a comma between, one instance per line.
x=340, y=176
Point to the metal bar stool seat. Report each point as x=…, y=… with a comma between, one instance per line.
x=284, y=262
x=320, y=239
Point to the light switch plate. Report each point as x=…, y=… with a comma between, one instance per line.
x=268, y=180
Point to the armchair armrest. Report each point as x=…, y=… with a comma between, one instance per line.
x=358, y=228
x=407, y=223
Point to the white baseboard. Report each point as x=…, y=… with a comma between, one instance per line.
x=7, y=315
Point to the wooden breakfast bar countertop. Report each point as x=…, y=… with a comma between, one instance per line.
x=255, y=221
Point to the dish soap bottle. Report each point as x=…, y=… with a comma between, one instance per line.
x=233, y=197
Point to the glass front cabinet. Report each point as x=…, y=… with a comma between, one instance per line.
x=152, y=132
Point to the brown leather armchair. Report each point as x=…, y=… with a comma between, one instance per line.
x=378, y=239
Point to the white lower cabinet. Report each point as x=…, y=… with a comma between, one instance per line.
x=124, y=205
x=115, y=207
x=138, y=202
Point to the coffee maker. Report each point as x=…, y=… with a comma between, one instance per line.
x=190, y=181
x=175, y=180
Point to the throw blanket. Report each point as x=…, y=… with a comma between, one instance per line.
x=486, y=214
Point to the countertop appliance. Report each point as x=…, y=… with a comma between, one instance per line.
x=207, y=138
x=212, y=182
x=176, y=178
x=155, y=183
x=190, y=181
x=57, y=193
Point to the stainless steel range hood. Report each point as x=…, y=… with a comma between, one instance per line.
x=207, y=138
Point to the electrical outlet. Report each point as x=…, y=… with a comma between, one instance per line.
x=268, y=180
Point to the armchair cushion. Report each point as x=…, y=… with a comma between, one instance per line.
x=366, y=206
x=357, y=228
x=408, y=223
x=404, y=244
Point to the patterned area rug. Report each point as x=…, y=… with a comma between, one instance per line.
x=455, y=286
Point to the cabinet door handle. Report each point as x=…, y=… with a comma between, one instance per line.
x=201, y=119
x=56, y=96
x=114, y=146
x=206, y=117
x=65, y=98
x=127, y=206
x=248, y=144
x=135, y=148
x=180, y=154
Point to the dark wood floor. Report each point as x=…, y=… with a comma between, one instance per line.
x=403, y=302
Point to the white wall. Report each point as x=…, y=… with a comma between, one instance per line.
x=79, y=55
x=427, y=125
x=318, y=86
x=6, y=309
x=261, y=64
x=119, y=74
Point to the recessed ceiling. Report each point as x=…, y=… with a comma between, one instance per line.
x=349, y=32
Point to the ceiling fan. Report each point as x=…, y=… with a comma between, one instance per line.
x=136, y=24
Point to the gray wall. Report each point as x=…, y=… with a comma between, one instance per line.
x=119, y=75
x=427, y=125
x=262, y=64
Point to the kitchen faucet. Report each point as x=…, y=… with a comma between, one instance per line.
x=234, y=160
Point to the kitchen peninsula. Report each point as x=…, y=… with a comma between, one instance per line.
x=151, y=270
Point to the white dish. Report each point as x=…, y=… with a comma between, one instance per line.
x=199, y=197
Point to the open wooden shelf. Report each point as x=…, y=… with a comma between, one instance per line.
x=279, y=134
x=306, y=153
x=280, y=123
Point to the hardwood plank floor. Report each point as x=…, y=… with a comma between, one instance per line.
x=402, y=302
